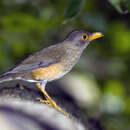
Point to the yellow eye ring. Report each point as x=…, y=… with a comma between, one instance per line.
x=84, y=37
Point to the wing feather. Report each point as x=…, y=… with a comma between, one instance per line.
x=30, y=67
x=42, y=58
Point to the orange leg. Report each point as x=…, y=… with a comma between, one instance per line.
x=49, y=101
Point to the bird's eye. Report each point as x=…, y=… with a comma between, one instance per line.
x=84, y=37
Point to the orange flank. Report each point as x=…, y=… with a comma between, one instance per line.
x=47, y=73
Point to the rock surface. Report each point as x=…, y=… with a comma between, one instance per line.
x=20, y=110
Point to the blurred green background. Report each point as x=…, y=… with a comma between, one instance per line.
x=27, y=25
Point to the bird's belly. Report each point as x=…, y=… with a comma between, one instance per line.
x=49, y=73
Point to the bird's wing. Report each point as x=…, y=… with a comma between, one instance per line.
x=32, y=66
x=40, y=59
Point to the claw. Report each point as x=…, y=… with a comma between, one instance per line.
x=45, y=101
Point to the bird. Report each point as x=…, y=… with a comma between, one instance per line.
x=51, y=63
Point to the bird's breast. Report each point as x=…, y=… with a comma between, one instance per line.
x=72, y=56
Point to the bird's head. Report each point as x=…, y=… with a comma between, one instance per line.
x=81, y=38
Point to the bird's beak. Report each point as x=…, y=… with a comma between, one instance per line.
x=95, y=36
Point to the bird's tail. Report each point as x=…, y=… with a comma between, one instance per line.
x=5, y=77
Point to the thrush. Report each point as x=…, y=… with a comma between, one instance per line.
x=52, y=62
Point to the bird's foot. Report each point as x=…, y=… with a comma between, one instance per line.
x=45, y=101
x=49, y=101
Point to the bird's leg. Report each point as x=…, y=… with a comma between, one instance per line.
x=41, y=86
x=48, y=100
